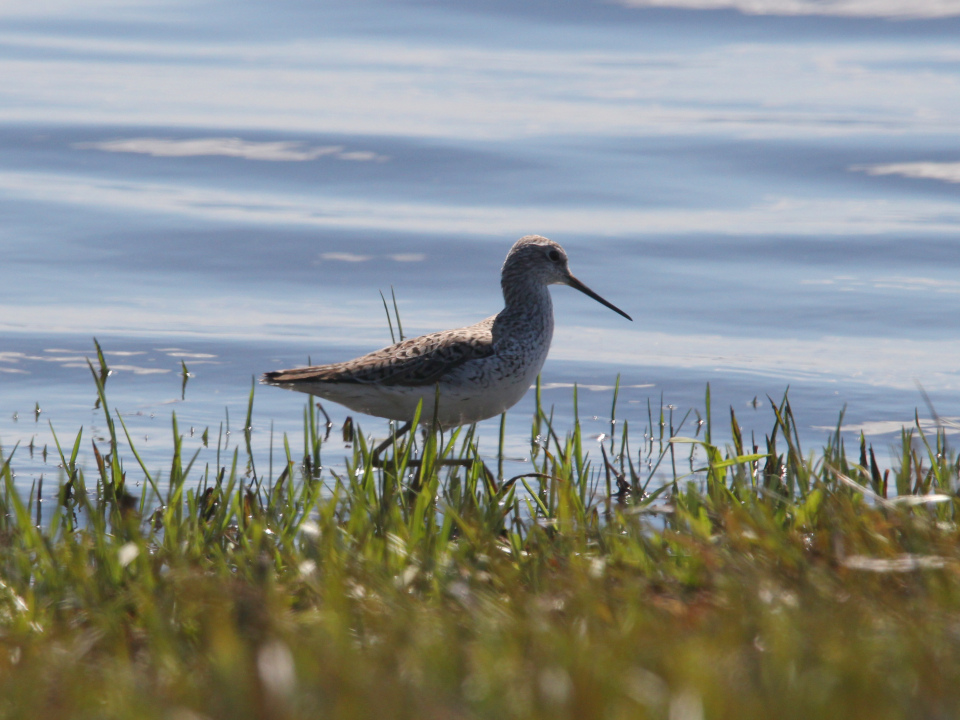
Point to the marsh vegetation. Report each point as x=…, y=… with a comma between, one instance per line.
x=642, y=574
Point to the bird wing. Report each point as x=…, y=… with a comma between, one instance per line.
x=415, y=362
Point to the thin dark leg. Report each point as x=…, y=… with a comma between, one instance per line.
x=388, y=442
x=413, y=462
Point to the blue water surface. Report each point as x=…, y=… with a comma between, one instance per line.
x=774, y=196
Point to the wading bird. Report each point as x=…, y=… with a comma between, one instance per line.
x=464, y=375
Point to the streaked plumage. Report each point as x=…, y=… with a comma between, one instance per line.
x=479, y=371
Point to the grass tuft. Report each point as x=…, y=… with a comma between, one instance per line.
x=753, y=580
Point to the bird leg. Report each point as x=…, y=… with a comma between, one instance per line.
x=375, y=458
x=377, y=461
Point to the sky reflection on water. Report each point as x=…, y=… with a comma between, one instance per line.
x=770, y=189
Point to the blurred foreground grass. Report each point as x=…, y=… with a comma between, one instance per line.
x=767, y=583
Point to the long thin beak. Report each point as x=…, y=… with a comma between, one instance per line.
x=574, y=283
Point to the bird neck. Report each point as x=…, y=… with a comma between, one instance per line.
x=527, y=299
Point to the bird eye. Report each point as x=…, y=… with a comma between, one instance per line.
x=554, y=255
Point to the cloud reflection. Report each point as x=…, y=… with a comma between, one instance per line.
x=944, y=171
x=345, y=257
x=357, y=258
x=803, y=216
x=76, y=360
x=895, y=9
x=99, y=9
x=890, y=427
x=773, y=89
x=923, y=285
x=229, y=147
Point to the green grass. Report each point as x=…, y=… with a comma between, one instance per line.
x=753, y=583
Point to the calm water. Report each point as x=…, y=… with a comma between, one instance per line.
x=773, y=196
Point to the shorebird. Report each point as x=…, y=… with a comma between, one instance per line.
x=464, y=375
